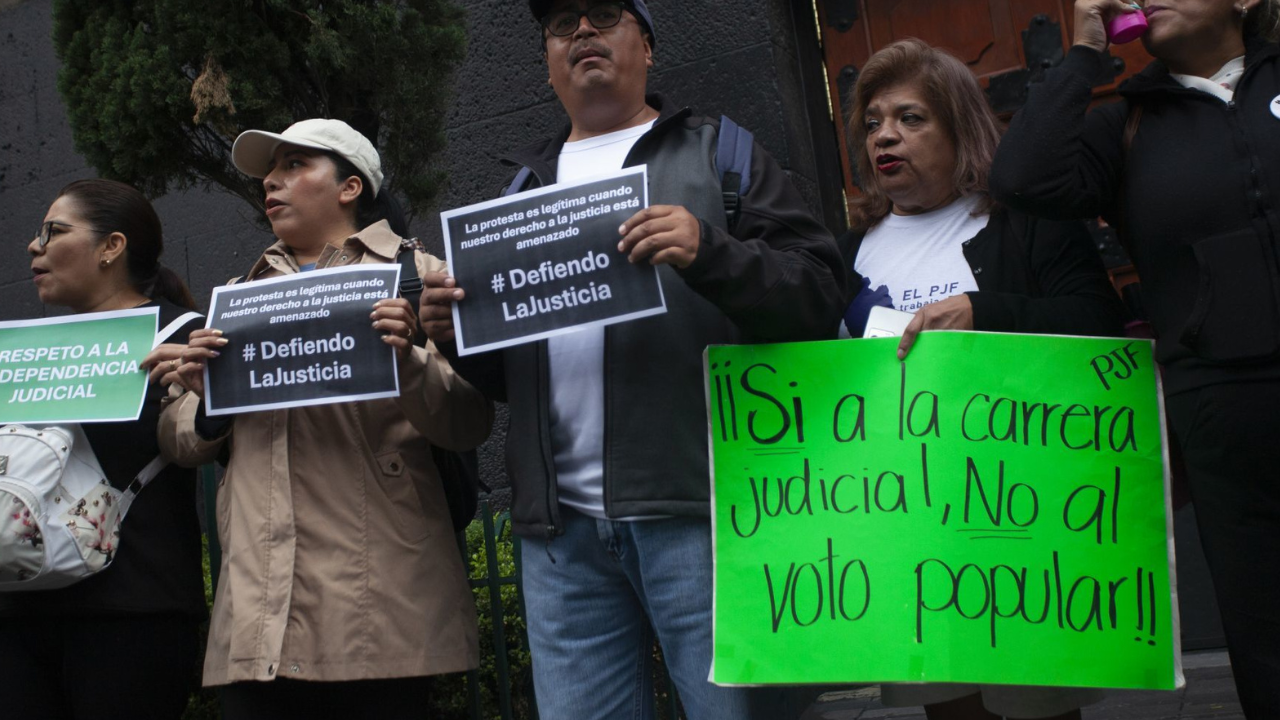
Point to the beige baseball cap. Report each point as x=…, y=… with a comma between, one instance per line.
x=254, y=149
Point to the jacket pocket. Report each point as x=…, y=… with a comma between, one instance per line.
x=1235, y=317
x=397, y=484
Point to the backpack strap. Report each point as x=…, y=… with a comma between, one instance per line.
x=518, y=183
x=144, y=477
x=459, y=471
x=733, y=164
x=411, y=286
x=171, y=328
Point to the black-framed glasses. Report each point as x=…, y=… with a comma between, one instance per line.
x=46, y=230
x=603, y=15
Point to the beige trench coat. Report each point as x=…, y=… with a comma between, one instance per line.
x=338, y=558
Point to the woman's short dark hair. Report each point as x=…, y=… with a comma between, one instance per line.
x=370, y=208
x=116, y=207
x=955, y=98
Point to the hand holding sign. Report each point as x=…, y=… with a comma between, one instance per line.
x=663, y=234
x=395, y=317
x=954, y=313
x=436, y=308
x=203, y=346
x=162, y=363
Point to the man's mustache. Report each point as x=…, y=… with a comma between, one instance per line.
x=599, y=49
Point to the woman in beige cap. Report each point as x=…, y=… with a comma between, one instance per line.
x=341, y=587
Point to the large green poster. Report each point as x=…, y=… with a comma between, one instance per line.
x=991, y=510
x=79, y=368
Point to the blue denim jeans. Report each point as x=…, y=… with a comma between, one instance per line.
x=593, y=611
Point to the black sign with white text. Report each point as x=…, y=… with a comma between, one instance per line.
x=303, y=339
x=546, y=262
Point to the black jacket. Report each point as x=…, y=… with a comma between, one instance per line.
x=1196, y=197
x=777, y=277
x=1033, y=276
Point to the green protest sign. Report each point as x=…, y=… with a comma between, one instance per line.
x=991, y=510
x=81, y=368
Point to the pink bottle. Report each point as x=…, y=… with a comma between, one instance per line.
x=1126, y=27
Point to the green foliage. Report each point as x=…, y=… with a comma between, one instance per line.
x=157, y=90
x=450, y=695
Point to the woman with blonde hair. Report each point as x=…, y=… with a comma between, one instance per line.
x=1187, y=168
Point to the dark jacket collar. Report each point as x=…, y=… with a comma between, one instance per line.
x=541, y=157
x=1155, y=78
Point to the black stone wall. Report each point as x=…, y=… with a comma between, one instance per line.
x=755, y=60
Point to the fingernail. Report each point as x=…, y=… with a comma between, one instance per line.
x=223, y=341
x=214, y=353
x=622, y=229
x=449, y=282
x=620, y=246
x=457, y=294
x=217, y=332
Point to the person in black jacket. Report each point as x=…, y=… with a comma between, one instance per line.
x=122, y=644
x=607, y=449
x=1187, y=167
x=927, y=240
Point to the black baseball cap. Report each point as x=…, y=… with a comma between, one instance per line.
x=541, y=8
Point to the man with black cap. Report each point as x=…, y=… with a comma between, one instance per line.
x=607, y=448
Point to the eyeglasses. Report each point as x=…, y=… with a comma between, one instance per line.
x=47, y=228
x=601, y=16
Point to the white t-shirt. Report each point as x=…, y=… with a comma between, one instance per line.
x=918, y=260
x=577, y=359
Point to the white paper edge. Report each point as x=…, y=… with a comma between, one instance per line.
x=355, y=269
x=463, y=348
x=82, y=317
x=711, y=460
x=302, y=403
x=1175, y=612
x=523, y=339
x=886, y=322
x=91, y=317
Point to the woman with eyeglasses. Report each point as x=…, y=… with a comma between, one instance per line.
x=341, y=588
x=123, y=643
x=1187, y=168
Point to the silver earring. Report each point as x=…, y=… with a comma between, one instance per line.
x=1244, y=11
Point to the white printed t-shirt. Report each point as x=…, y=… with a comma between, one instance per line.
x=918, y=260
x=577, y=359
